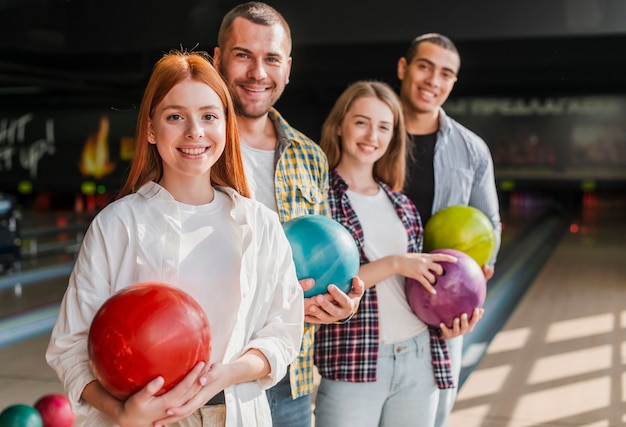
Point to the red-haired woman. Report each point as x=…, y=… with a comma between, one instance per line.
x=183, y=217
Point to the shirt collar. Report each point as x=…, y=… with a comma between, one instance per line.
x=283, y=130
x=444, y=122
x=152, y=189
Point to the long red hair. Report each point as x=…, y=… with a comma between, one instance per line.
x=171, y=69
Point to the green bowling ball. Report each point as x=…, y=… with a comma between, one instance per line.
x=20, y=416
x=463, y=228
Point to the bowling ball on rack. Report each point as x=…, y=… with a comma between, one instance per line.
x=55, y=410
x=144, y=331
x=460, y=289
x=323, y=250
x=20, y=415
x=463, y=228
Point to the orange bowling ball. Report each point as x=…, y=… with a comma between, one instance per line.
x=144, y=331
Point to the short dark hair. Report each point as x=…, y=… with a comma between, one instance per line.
x=434, y=38
x=254, y=11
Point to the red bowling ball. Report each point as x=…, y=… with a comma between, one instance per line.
x=55, y=411
x=144, y=331
x=460, y=289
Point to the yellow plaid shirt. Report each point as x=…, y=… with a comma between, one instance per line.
x=301, y=185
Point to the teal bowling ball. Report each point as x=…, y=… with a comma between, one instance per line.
x=324, y=251
x=20, y=416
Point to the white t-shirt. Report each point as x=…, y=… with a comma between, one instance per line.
x=384, y=235
x=259, y=166
x=207, y=238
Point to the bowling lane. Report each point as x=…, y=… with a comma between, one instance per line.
x=24, y=374
x=559, y=359
x=31, y=290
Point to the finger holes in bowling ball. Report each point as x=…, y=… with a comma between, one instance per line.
x=443, y=273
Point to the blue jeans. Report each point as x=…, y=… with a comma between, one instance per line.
x=447, y=397
x=404, y=394
x=288, y=412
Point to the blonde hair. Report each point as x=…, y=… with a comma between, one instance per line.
x=391, y=167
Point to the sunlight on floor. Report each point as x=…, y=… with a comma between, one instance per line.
x=567, y=375
x=513, y=339
x=603, y=423
x=580, y=327
x=573, y=399
x=570, y=364
x=485, y=382
x=471, y=417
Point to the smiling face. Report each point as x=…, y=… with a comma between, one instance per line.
x=428, y=79
x=255, y=63
x=188, y=128
x=366, y=131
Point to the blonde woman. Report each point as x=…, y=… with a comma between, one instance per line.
x=384, y=367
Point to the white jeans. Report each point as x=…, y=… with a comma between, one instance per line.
x=405, y=393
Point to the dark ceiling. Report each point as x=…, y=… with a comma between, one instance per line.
x=83, y=52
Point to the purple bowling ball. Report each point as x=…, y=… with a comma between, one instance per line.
x=460, y=289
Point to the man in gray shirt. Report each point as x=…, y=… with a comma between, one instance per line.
x=449, y=164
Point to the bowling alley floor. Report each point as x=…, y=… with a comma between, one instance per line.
x=24, y=374
x=560, y=359
x=31, y=307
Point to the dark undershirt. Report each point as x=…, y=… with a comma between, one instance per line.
x=420, y=185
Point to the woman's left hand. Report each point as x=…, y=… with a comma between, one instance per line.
x=462, y=325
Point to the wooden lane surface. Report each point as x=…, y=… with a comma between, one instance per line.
x=560, y=360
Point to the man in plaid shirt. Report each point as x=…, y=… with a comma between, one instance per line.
x=286, y=171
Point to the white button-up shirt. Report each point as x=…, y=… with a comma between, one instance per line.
x=148, y=236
